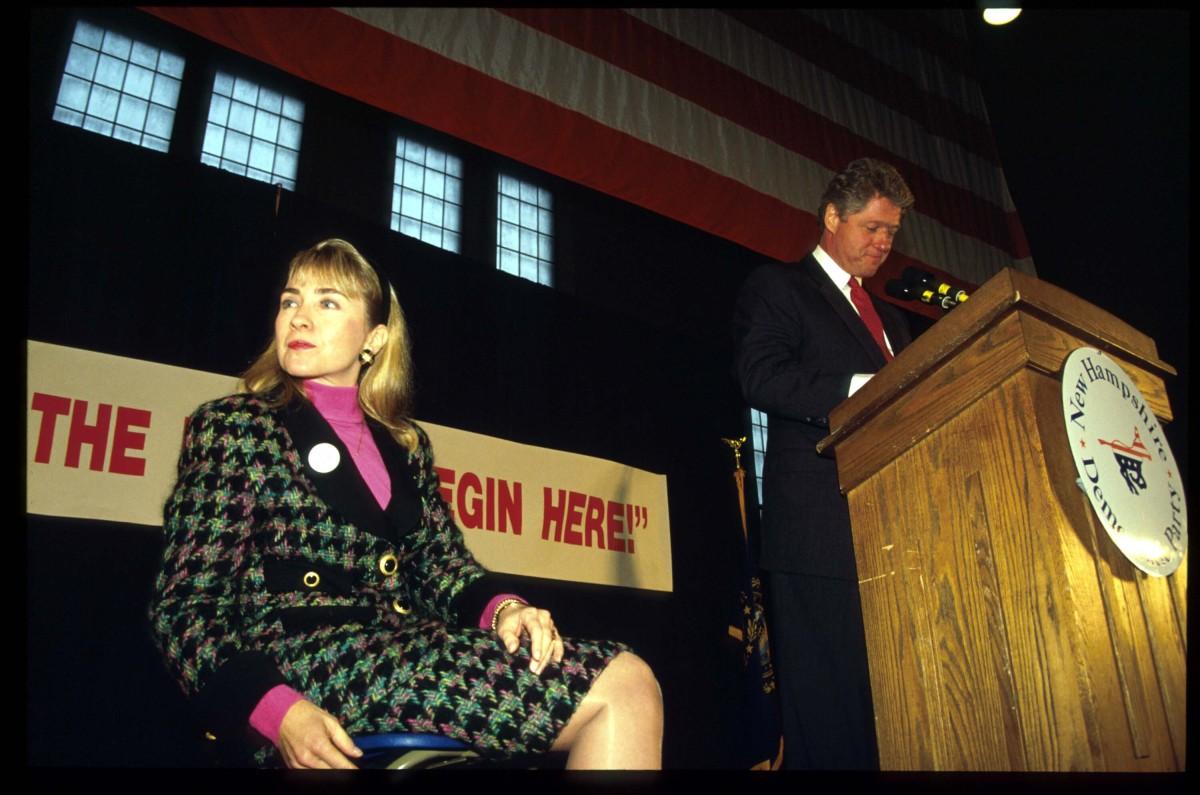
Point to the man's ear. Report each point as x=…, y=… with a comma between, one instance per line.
x=832, y=219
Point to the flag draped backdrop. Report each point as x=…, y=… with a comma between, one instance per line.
x=729, y=121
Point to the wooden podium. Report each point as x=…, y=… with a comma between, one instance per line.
x=1005, y=631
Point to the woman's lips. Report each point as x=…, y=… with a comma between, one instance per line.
x=297, y=345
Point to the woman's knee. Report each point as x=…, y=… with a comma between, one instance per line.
x=628, y=680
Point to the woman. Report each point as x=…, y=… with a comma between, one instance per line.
x=314, y=585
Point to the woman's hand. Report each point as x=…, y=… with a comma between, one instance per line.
x=309, y=737
x=545, y=645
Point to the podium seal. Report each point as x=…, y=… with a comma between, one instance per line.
x=1124, y=462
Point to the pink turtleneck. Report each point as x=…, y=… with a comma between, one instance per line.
x=339, y=406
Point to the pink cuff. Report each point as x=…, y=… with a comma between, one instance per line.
x=489, y=610
x=271, y=708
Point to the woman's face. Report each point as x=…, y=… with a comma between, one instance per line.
x=319, y=332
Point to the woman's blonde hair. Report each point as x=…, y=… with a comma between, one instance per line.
x=384, y=386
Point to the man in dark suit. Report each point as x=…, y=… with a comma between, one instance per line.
x=807, y=335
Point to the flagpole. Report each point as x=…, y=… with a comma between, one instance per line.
x=753, y=634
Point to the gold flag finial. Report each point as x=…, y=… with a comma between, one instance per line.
x=736, y=446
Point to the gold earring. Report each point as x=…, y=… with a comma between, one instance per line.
x=366, y=357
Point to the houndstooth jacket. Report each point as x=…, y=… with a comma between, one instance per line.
x=256, y=553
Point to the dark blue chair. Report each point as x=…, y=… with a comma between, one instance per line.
x=404, y=751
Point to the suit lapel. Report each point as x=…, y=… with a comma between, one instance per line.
x=842, y=308
x=342, y=487
x=404, y=509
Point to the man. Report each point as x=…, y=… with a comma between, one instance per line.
x=806, y=337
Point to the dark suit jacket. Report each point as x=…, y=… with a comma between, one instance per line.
x=797, y=343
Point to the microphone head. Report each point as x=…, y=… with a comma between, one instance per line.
x=917, y=277
x=898, y=289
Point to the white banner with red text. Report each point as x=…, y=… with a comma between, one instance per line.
x=103, y=435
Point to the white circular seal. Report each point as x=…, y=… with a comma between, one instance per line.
x=324, y=457
x=1125, y=465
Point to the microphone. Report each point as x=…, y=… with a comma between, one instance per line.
x=923, y=279
x=908, y=292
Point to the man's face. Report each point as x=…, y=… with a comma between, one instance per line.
x=861, y=241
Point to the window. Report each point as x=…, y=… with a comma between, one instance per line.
x=253, y=131
x=523, y=231
x=758, y=443
x=119, y=87
x=427, y=194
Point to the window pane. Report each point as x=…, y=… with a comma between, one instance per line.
x=415, y=152
x=214, y=139
x=529, y=242
x=286, y=163
x=71, y=117
x=435, y=160
x=454, y=190
x=126, y=134
x=166, y=91
x=453, y=166
x=431, y=234
x=218, y=110
x=117, y=45
x=508, y=261
x=110, y=72
x=509, y=235
x=144, y=55
x=509, y=186
x=237, y=147
x=223, y=84
x=451, y=217
x=262, y=156
x=97, y=125
x=171, y=65
x=410, y=227
x=435, y=184
x=450, y=242
x=395, y=200
x=157, y=144
x=73, y=93
x=528, y=216
x=89, y=34
x=103, y=103
x=81, y=62
x=245, y=91
x=528, y=193
x=529, y=267
x=241, y=117
x=132, y=112
x=289, y=134
x=411, y=203
x=266, y=126
x=509, y=210
x=293, y=109
x=414, y=176
x=270, y=101
x=138, y=82
x=431, y=212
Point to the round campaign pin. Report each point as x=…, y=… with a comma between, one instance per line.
x=324, y=457
x=1125, y=465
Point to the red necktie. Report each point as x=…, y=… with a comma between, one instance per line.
x=862, y=302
